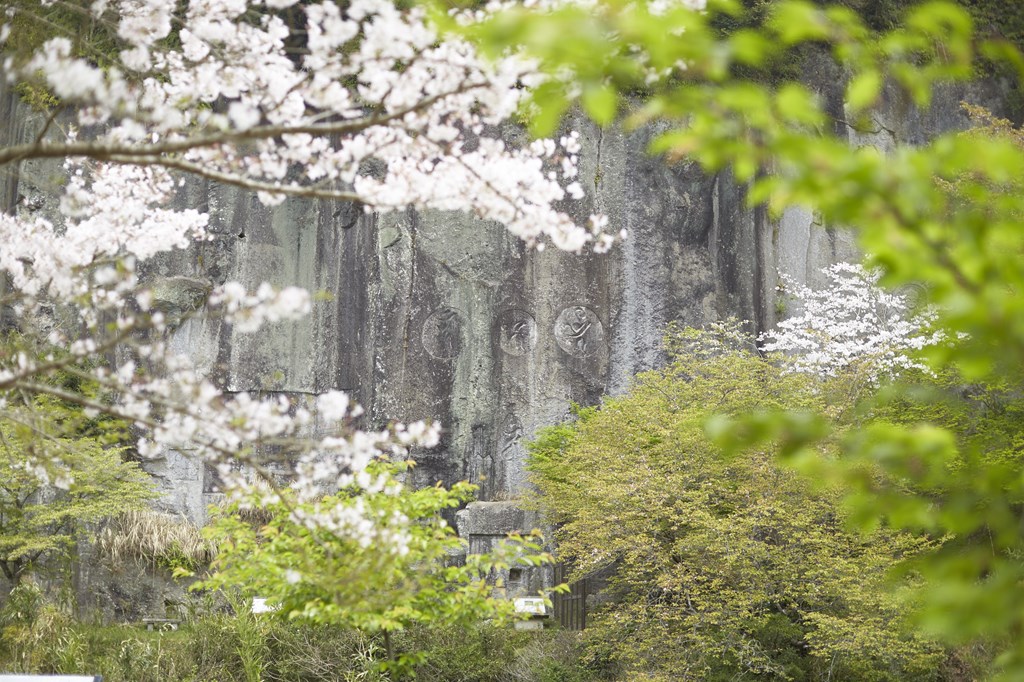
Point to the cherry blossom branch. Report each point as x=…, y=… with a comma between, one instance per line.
x=375, y=83
x=303, y=191
x=113, y=410
x=16, y=380
x=108, y=151
x=49, y=122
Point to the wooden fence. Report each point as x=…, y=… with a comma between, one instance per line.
x=570, y=608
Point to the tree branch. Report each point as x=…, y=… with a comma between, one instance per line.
x=104, y=151
x=308, y=192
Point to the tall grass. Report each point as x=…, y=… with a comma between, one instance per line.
x=37, y=637
x=155, y=538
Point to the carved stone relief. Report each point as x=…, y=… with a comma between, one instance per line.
x=481, y=464
x=517, y=331
x=442, y=334
x=579, y=331
x=510, y=455
x=511, y=435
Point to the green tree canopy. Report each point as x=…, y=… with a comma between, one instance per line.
x=944, y=214
x=416, y=573
x=60, y=471
x=722, y=569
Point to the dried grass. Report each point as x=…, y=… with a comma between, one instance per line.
x=256, y=516
x=158, y=538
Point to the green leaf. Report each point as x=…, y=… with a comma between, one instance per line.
x=796, y=104
x=549, y=105
x=750, y=47
x=797, y=22
x=601, y=102
x=863, y=90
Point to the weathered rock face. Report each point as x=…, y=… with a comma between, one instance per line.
x=435, y=315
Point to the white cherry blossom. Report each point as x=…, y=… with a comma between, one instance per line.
x=851, y=323
x=372, y=107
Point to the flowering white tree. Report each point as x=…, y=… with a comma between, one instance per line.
x=375, y=108
x=851, y=323
x=374, y=84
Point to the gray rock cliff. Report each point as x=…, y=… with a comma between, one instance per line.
x=439, y=316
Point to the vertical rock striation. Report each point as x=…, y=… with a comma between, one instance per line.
x=437, y=315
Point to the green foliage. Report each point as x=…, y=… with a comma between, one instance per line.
x=953, y=444
x=59, y=473
x=945, y=214
x=486, y=652
x=411, y=572
x=737, y=567
x=37, y=637
x=950, y=457
x=33, y=23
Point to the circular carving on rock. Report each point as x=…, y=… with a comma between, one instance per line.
x=578, y=331
x=442, y=333
x=915, y=296
x=517, y=331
